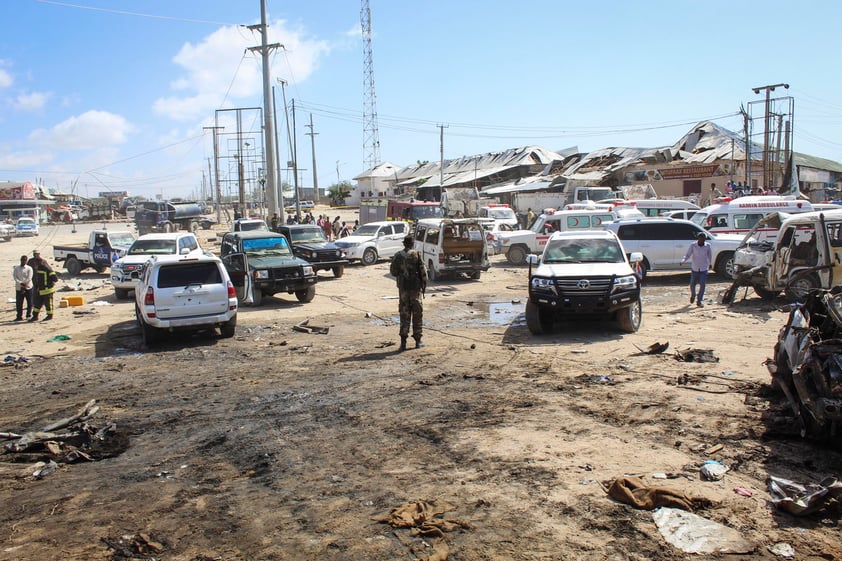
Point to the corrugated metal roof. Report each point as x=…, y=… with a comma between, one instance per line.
x=513, y=187
x=816, y=162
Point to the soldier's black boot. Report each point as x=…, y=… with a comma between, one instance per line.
x=418, y=343
x=34, y=317
x=403, y=344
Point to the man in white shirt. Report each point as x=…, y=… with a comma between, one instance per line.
x=23, y=288
x=700, y=256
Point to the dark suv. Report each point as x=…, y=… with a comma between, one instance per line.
x=262, y=264
x=310, y=243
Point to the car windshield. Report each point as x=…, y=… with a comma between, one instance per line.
x=152, y=247
x=367, y=230
x=500, y=213
x=260, y=247
x=583, y=251
x=699, y=218
x=124, y=238
x=26, y=221
x=308, y=235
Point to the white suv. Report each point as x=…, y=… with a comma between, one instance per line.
x=192, y=293
x=373, y=241
x=126, y=271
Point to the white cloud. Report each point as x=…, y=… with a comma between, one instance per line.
x=24, y=159
x=6, y=79
x=90, y=130
x=219, y=71
x=31, y=102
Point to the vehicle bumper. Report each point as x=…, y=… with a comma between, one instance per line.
x=269, y=286
x=327, y=265
x=589, y=304
x=191, y=323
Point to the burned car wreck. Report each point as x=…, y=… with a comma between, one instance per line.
x=808, y=362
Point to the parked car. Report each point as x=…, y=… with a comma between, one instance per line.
x=664, y=241
x=126, y=271
x=583, y=273
x=7, y=231
x=104, y=247
x=310, y=243
x=247, y=224
x=492, y=238
x=26, y=226
x=452, y=246
x=185, y=293
x=262, y=264
x=373, y=241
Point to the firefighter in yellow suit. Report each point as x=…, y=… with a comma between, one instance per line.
x=45, y=280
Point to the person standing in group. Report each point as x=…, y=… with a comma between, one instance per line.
x=700, y=256
x=336, y=226
x=44, y=279
x=411, y=276
x=23, y=288
x=344, y=231
x=530, y=218
x=275, y=222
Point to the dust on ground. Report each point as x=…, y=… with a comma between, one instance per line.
x=284, y=445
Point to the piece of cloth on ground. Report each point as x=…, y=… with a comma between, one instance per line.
x=633, y=491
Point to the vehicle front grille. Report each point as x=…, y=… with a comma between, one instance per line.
x=586, y=286
x=285, y=273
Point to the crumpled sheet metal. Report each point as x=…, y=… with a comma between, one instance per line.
x=802, y=500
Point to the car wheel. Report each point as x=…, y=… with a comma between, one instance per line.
x=121, y=293
x=725, y=265
x=369, y=256
x=766, y=294
x=516, y=255
x=800, y=286
x=256, y=296
x=168, y=228
x=538, y=320
x=475, y=275
x=630, y=318
x=338, y=271
x=151, y=335
x=137, y=319
x=227, y=329
x=73, y=266
x=432, y=275
x=306, y=295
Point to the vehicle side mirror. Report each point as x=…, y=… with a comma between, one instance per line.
x=532, y=259
x=184, y=250
x=635, y=257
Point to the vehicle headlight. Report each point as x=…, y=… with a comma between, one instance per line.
x=624, y=283
x=261, y=274
x=539, y=283
x=308, y=270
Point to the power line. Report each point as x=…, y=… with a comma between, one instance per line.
x=127, y=13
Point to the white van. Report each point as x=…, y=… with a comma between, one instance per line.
x=652, y=208
x=738, y=216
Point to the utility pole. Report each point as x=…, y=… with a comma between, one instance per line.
x=268, y=131
x=295, y=163
x=767, y=130
x=441, y=159
x=312, y=134
x=279, y=183
x=216, y=168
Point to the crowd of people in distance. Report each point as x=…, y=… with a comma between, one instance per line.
x=333, y=229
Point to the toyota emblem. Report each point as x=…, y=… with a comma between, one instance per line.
x=583, y=284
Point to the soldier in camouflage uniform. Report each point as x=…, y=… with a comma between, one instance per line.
x=408, y=269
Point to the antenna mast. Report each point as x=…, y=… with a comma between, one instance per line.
x=371, y=143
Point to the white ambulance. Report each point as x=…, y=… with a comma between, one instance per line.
x=738, y=216
x=653, y=208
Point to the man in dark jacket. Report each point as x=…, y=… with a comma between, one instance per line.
x=411, y=275
x=44, y=279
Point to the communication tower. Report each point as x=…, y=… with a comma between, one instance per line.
x=371, y=136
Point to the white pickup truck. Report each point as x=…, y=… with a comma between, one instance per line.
x=520, y=243
x=103, y=248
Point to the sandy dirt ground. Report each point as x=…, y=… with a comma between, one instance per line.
x=283, y=445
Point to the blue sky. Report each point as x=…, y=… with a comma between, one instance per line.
x=103, y=95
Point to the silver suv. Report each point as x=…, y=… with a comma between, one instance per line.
x=185, y=293
x=664, y=241
x=126, y=271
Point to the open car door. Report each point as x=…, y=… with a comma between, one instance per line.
x=237, y=266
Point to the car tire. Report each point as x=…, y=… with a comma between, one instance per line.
x=538, y=320
x=475, y=275
x=306, y=295
x=137, y=319
x=194, y=227
x=338, y=271
x=630, y=318
x=121, y=293
x=151, y=335
x=168, y=228
x=516, y=255
x=725, y=266
x=800, y=286
x=73, y=266
x=369, y=256
x=227, y=330
x=256, y=297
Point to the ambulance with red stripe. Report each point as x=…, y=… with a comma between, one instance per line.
x=738, y=216
x=520, y=243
